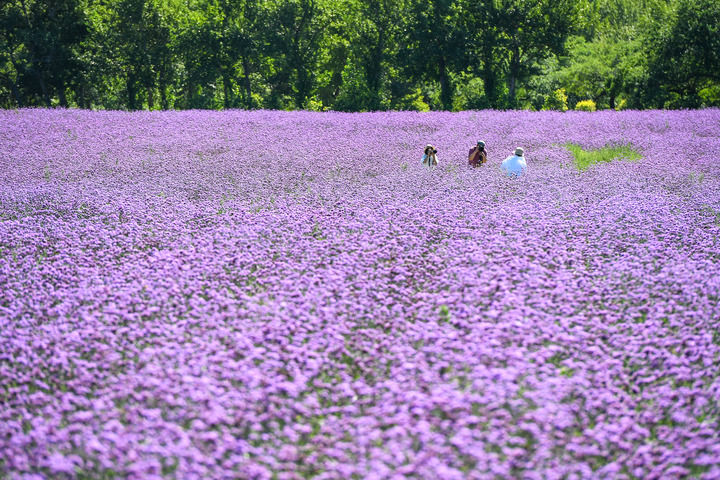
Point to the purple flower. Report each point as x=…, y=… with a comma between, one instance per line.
x=222, y=294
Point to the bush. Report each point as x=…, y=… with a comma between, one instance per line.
x=315, y=105
x=470, y=94
x=354, y=94
x=556, y=100
x=414, y=101
x=586, y=106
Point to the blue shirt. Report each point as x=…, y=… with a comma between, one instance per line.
x=514, y=166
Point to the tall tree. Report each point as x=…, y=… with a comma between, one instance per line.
x=247, y=44
x=40, y=41
x=436, y=44
x=601, y=70
x=295, y=30
x=531, y=30
x=220, y=43
x=685, y=65
x=137, y=46
x=10, y=52
x=357, y=54
x=487, y=58
x=376, y=34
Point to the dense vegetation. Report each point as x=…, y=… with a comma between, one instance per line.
x=356, y=55
x=268, y=295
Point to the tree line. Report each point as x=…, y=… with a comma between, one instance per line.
x=360, y=55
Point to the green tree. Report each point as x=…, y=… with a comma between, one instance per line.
x=221, y=44
x=374, y=26
x=136, y=49
x=10, y=58
x=294, y=33
x=607, y=18
x=529, y=32
x=603, y=70
x=510, y=38
x=487, y=58
x=247, y=45
x=40, y=41
x=435, y=44
x=358, y=54
x=685, y=66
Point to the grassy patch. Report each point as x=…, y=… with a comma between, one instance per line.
x=585, y=158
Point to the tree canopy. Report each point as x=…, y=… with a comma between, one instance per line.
x=359, y=55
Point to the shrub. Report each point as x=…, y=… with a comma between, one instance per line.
x=556, y=101
x=314, y=104
x=586, y=106
x=414, y=101
x=470, y=94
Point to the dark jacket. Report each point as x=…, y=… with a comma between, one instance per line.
x=477, y=157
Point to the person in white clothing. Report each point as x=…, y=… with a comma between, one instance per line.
x=429, y=158
x=515, y=165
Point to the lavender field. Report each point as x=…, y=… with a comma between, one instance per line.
x=291, y=295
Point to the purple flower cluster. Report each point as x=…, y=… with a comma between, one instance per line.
x=290, y=295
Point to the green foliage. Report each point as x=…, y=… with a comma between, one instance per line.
x=586, y=106
x=585, y=158
x=610, y=18
x=295, y=34
x=436, y=44
x=685, y=67
x=374, y=33
x=605, y=70
x=38, y=44
x=414, y=101
x=354, y=95
x=511, y=37
x=470, y=94
x=359, y=55
x=556, y=101
x=710, y=95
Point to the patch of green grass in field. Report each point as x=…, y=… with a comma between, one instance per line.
x=585, y=158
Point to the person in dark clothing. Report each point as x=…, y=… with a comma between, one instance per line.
x=477, y=155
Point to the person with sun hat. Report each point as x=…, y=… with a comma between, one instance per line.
x=515, y=165
x=429, y=158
